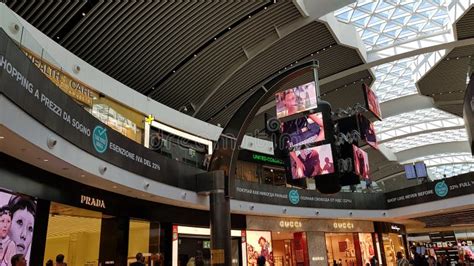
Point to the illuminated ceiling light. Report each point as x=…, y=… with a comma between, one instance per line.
x=83, y=14
x=45, y=160
x=2, y=137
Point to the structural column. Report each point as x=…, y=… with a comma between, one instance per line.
x=221, y=253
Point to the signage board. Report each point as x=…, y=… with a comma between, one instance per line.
x=432, y=191
x=26, y=86
x=307, y=225
x=254, y=192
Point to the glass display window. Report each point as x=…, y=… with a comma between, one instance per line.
x=74, y=233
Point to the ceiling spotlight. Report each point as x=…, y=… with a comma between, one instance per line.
x=2, y=137
x=114, y=186
x=45, y=160
x=82, y=175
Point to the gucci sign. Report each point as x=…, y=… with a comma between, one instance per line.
x=343, y=225
x=290, y=224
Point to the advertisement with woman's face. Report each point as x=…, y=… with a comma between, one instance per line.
x=17, y=219
x=259, y=243
x=312, y=162
x=296, y=100
x=304, y=130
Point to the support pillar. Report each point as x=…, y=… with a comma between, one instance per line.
x=221, y=253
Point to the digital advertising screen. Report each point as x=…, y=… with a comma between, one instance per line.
x=296, y=100
x=259, y=243
x=372, y=102
x=361, y=162
x=304, y=130
x=420, y=169
x=17, y=221
x=312, y=162
x=367, y=131
x=410, y=171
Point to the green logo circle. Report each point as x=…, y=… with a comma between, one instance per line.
x=294, y=196
x=441, y=189
x=100, y=140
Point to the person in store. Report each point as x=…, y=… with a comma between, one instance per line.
x=7, y=246
x=49, y=263
x=60, y=260
x=431, y=261
x=261, y=261
x=18, y=260
x=373, y=261
x=23, y=212
x=417, y=259
x=140, y=260
x=401, y=260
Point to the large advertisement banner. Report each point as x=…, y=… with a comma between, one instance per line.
x=259, y=244
x=17, y=221
x=26, y=86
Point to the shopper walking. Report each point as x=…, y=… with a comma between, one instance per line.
x=261, y=261
x=140, y=260
x=60, y=260
x=18, y=260
x=402, y=261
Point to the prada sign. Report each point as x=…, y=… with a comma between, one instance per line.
x=93, y=202
x=307, y=225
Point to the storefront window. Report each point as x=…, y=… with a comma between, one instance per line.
x=274, y=176
x=290, y=249
x=178, y=148
x=392, y=244
x=247, y=171
x=341, y=249
x=74, y=233
x=117, y=116
x=367, y=250
x=144, y=237
x=194, y=246
x=109, y=116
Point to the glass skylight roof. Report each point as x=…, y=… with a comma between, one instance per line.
x=438, y=172
x=410, y=142
x=388, y=22
x=416, y=121
x=446, y=158
x=394, y=79
x=394, y=23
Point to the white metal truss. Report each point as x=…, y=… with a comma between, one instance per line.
x=445, y=159
x=414, y=141
x=388, y=22
x=441, y=171
x=419, y=121
x=394, y=79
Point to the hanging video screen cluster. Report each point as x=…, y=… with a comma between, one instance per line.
x=355, y=135
x=304, y=132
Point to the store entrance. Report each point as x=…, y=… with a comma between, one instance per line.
x=74, y=233
x=196, y=250
x=290, y=249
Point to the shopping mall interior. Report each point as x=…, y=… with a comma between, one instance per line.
x=243, y=133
